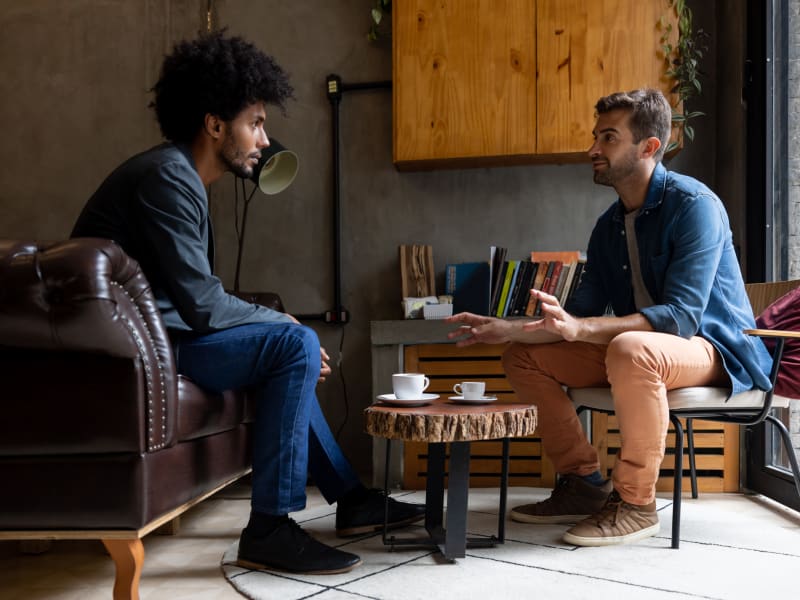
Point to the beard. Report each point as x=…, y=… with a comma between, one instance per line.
x=235, y=160
x=620, y=170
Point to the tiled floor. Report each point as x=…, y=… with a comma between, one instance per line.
x=733, y=546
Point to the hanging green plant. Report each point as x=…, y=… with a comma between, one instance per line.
x=683, y=59
x=381, y=10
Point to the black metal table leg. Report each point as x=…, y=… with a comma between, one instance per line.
x=455, y=541
x=451, y=541
x=501, y=521
x=434, y=487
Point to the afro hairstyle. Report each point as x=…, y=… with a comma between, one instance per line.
x=214, y=74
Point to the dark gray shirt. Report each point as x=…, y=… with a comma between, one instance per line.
x=154, y=205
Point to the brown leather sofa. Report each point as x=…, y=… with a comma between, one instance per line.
x=99, y=436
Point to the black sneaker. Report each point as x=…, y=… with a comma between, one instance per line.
x=367, y=516
x=289, y=548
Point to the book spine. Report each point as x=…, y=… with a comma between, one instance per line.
x=498, y=275
x=541, y=273
x=514, y=290
x=564, y=293
x=576, y=279
x=501, y=276
x=450, y=280
x=521, y=297
x=501, y=303
x=562, y=280
x=545, y=286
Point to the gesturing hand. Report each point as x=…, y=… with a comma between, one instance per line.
x=477, y=329
x=325, y=369
x=555, y=319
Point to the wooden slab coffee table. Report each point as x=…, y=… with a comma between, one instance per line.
x=441, y=423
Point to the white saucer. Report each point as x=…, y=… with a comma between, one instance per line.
x=392, y=399
x=481, y=400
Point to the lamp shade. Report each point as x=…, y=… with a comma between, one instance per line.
x=276, y=169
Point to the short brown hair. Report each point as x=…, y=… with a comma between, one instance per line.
x=651, y=114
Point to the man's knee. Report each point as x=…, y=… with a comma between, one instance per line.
x=307, y=337
x=628, y=350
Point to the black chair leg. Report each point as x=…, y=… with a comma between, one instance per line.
x=678, y=483
x=787, y=444
x=692, y=464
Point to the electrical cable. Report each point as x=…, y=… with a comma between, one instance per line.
x=339, y=362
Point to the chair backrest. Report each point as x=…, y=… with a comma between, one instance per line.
x=763, y=294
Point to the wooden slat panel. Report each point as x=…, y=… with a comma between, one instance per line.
x=446, y=351
x=461, y=369
x=493, y=386
x=704, y=462
x=520, y=448
x=701, y=440
x=698, y=424
x=704, y=484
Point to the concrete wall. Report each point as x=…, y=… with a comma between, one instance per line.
x=73, y=90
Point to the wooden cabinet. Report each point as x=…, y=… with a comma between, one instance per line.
x=464, y=81
x=485, y=82
x=587, y=49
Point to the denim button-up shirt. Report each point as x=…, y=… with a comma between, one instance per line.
x=689, y=268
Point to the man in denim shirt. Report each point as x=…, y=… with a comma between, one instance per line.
x=662, y=258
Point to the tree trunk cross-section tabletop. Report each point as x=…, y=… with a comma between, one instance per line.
x=443, y=421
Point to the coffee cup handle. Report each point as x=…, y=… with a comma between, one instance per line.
x=457, y=389
x=427, y=383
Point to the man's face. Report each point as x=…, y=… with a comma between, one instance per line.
x=244, y=138
x=615, y=156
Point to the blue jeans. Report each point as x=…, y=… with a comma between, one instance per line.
x=279, y=365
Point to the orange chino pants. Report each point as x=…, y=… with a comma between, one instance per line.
x=640, y=367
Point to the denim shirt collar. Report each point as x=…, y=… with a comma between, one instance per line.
x=655, y=193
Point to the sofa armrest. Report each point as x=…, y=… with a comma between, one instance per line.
x=87, y=296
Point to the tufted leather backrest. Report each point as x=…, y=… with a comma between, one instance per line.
x=87, y=296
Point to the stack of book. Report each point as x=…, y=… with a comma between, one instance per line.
x=501, y=287
x=555, y=273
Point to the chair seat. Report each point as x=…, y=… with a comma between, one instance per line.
x=688, y=398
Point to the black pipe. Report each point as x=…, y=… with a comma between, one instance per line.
x=335, y=89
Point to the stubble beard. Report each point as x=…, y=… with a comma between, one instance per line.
x=234, y=159
x=613, y=174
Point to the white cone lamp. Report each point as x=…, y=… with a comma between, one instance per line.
x=275, y=171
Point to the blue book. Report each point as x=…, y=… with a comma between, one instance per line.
x=469, y=285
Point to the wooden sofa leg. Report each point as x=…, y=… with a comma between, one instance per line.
x=128, y=556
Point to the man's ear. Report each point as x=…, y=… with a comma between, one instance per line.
x=651, y=146
x=213, y=126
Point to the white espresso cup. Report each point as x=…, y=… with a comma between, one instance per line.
x=409, y=386
x=470, y=390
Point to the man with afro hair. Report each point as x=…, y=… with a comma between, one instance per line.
x=210, y=102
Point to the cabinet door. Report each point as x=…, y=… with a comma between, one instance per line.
x=587, y=49
x=464, y=82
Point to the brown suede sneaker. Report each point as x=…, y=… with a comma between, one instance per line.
x=572, y=499
x=617, y=523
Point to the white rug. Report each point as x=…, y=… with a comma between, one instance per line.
x=535, y=562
